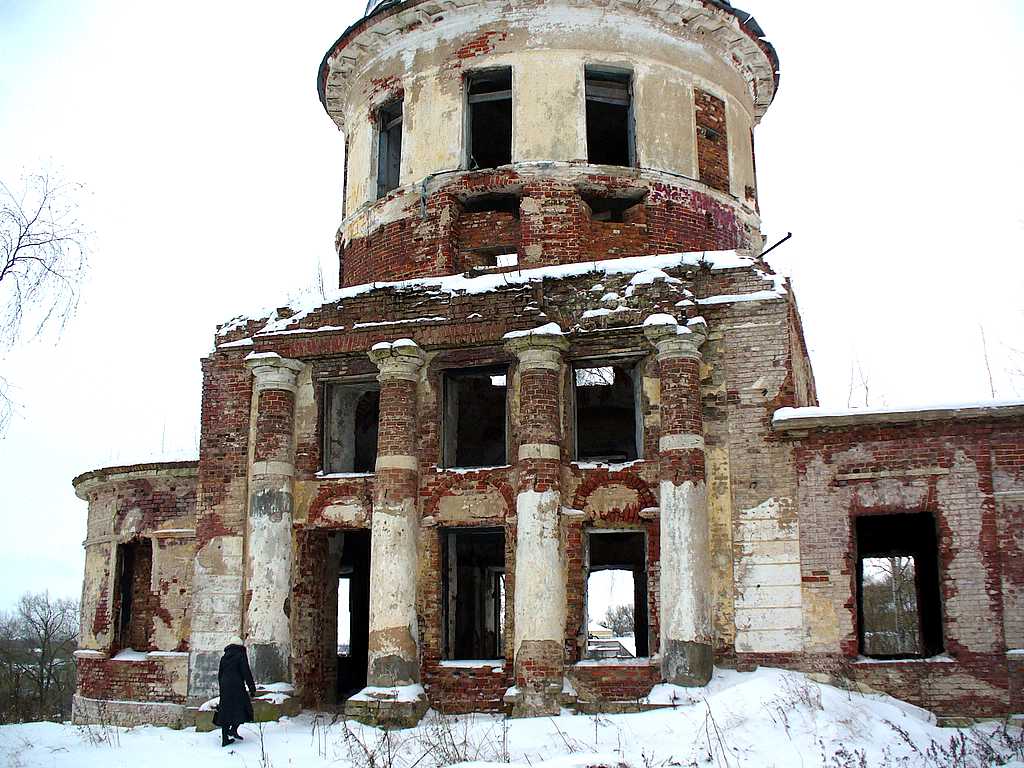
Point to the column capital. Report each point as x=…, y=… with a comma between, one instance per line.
x=272, y=371
x=540, y=348
x=400, y=359
x=673, y=340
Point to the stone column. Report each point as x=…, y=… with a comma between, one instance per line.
x=269, y=522
x=540, y=598
x=394, y=651
x=686, y=624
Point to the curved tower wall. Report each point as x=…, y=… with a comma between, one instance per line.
x=698, y=87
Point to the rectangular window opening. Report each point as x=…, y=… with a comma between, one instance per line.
x=489, y=128
x=608, y=420
x=898, y=599
x=609, y=96
x=389, y=150
x=475, y=418
x=488, y=231
x=614, y=209
x=616, y=615
x=134, y=595
x=350, y=423
x=473, y=587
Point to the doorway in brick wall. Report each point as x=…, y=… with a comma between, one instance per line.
x=350, y=552
x=330, y=612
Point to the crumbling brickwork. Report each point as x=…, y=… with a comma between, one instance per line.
x=946, y=468
x=712, y=140
x=741, y=523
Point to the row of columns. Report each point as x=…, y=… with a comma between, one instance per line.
x=540, y=574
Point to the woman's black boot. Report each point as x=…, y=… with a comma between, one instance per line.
x=225, y=736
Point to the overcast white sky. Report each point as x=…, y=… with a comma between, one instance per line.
x=893, y=152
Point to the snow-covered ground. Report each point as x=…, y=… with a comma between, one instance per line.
x=767, y=718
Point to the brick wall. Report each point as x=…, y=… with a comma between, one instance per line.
x=554, y=226
x=274, y=425
x=712, y=141
x=131, y=506
x=946, y=469
x=481, y=235
x=613, y=682
x=159, y=679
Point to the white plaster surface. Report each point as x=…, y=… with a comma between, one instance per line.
x=685, y=564
x=269, y=556
x=393, y=565
x=540, y=578
x=769, y=605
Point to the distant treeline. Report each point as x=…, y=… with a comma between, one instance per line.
x=37, y=667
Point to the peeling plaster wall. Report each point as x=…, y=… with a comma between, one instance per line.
x=950, y=469
x=741, y=149
x=539, y=571
x=542, y=44
x=220, y=516
x=768, y=602
x=395, y=535
x=154, y=502
x=687, y=618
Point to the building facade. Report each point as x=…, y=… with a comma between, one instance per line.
x=556, y=353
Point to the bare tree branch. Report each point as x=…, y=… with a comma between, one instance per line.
x=43, y=258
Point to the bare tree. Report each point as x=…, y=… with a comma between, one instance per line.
x=43, y=251
x=891, y=622
x=621, y=620
x=37, y=643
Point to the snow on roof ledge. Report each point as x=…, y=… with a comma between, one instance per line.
x=789, y=419
x=454, y=284
x=551, y=329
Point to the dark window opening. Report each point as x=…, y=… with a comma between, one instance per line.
x=349, y=580
x=135, y=599
x=898, y=600
x=475, y=417
x=473, y=593
x=608, y=421
x=488, y=231
x=350, y=423
x=609, y=118
x=489, y=95
x=616, y=617
x=389, y=149
x=614, y=209
x=493, y=203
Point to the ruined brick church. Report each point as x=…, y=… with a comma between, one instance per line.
x=556, y=352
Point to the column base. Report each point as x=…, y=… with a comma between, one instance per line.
x=269, y=662
x=401, y=707
x=687, y=663
x=545, y=701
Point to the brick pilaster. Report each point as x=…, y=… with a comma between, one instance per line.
x=394, y=647
x=268, y=544
x=686, y=622
x=540, y=596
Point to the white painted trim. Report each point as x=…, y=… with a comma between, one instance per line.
x=397, y=462
x=681, y=443
x=539, y=451
x=275, y=468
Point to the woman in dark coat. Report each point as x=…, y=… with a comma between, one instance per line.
x=234, y=677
